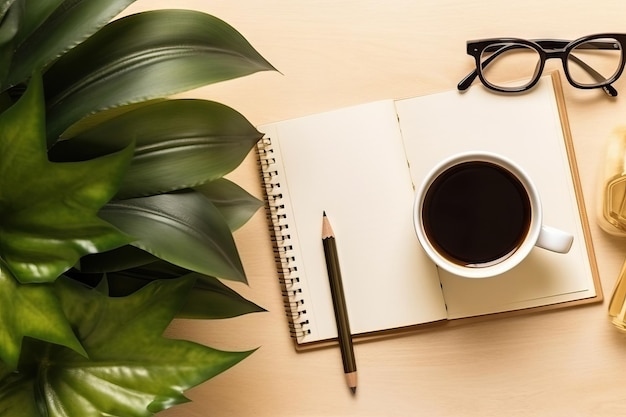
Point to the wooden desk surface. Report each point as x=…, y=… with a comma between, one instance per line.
x=336, y=53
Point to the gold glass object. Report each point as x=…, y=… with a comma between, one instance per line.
x=617, y=306
x=612, y=212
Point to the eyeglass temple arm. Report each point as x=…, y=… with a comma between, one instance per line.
x=560, y=44
x=465, y=83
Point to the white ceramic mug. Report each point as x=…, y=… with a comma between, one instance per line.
x=453, y=198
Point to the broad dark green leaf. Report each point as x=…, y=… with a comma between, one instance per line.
x=4, y=7
x=10, y=20
x=143, y=275
x=178, y=144
x=208, y=299
x=132, y=369
x=145, y=56
x=235, y=203
x=182, y=228
x=52, y=27
x=118, y=259
x=102, y=116
x=211, y=299
x=48, y=211
x=17, y=398
x=5, y=101
x=4, y=371
x=30, y=310
x=35, y=14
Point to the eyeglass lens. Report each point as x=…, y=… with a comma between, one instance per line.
x=603, y=56
x=589, y=64
x=503, y=62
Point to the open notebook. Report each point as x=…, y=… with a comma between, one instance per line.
x=361, y=164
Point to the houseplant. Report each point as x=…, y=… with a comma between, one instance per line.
x=114, y=213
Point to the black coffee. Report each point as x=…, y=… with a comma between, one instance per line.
x=475, y=213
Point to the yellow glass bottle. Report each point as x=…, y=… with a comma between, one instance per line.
x=612, y=214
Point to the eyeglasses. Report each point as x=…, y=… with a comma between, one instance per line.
x=594, y=61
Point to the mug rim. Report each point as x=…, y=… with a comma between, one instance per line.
x=505, y=263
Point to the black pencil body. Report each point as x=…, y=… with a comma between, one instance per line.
x=339, y=304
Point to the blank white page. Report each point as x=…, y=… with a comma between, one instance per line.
x=351, y=164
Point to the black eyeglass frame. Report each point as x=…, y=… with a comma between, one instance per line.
x=546, y=49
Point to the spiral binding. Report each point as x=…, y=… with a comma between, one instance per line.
x=281, y=240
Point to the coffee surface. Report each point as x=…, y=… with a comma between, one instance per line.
x=475, y=213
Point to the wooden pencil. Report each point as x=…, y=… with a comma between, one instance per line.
x=339, y=303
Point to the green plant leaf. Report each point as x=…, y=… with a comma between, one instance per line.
x=35, y=14
x=5, y=101
x=178, y=144
x=10, y=21
x=211, y=299
x=4, y=8
x=132, y=369
x=208, y=299
x=145, y=56
x=52, y=27
x=235, y=203
x=48, y=211
x=4, y=371
x=16, y=395
x=30, y=310
x=118, y=259
x=182, y=228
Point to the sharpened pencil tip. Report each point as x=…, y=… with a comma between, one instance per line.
x=353, y=389
x=324, y=214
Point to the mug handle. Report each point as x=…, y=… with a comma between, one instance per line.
x=554, y=240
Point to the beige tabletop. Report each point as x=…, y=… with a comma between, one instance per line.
x=330, y=54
